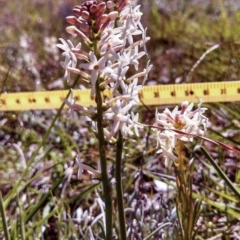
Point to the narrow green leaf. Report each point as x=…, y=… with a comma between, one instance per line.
x=222, y=194
x=21, y=221
x=44, y=199
x=4, y=219
x=157, y=230
x=227, y=208
x=78, y=196
x=234, y=114
x=196, y=214
x=220, y=172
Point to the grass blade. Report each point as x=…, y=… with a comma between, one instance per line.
x=4, y=219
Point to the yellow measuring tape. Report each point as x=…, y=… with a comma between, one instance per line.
x=149, y=95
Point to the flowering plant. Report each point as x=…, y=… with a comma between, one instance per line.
x=174, y=130
x=108, y=30
x=116, y=41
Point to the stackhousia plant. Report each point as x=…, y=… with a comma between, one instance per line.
x=112, y=41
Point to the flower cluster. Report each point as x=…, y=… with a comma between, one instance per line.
x=109, y=30
x=178, y=125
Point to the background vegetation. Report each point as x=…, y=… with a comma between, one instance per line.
x=46, y=204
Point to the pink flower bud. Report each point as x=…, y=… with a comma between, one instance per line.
x=122, y=4
x=81, y=24
x=72, y=20
x=79, y=72
x=101, y=7
x=110, y=5
x=113, y=15
x=93, y=9
x=85, y=15
x=73, y=30
x=84, y=8
x=77, y=10
x=103, y=19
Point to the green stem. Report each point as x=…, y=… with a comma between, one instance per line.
x=119, y=191
x=103, y=162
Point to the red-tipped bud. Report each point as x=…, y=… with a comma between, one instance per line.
x=85, y=15
x=93, y=9
x=110, y=5
x=103, y=26
x=84, y=8
x=101, y=7
x=81, y=24
x=122, y=4
x=103, y=19
x=79, y=7
x=72, y=20
x=77, y=11
x=84, y=27
x=73, y=30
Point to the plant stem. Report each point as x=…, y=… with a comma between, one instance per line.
x=120, y=204
x=184, y=194
x=103, y=162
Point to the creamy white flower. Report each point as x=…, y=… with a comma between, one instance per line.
x=128, y=30
x=180, y=124
x=82, y=166
x=95, y=66
x=131, y=57
x=147, y=70
x=135, y=124
x=133, y=89
x=70, y=58
x=110, y=43
x=71, y=103
x=119, y=78
x=119, y=115
x=134, y=14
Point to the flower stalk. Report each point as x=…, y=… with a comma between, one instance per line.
x=120, y=204
x=184, y=202
x=103, y=161
x=174, y=130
